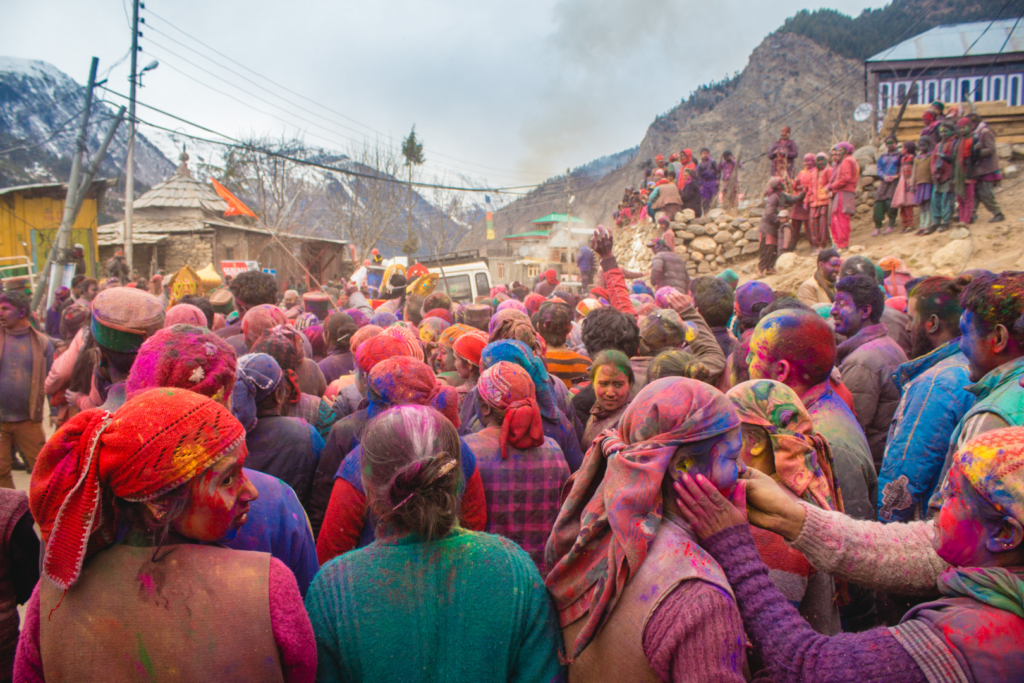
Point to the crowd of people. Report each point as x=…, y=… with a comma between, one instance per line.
x=671, y=480
x=953, y=166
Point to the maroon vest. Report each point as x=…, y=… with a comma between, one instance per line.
x=200, y=613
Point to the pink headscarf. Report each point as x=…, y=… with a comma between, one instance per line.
x=184, y=314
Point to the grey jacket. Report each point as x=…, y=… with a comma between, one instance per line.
x=669, y=270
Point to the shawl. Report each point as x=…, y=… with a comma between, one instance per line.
x=383, y=319
x=514, y=305
x=153, y=444
x=517, y=352
x=284, y=345
x=803, y=458
x=469, y=346
x=306, y=320
x=506, y=315
x=407, y=381
x=409, y=339
x=442, y=313
x=614, y=506
x=377, y=349
x=993, y=463
x=185, y=357
x=508, y=388
x=994, y=586
x=431, y=329
x=828, y=287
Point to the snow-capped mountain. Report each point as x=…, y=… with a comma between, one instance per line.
x=39, y=114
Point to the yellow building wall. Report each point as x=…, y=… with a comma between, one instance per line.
x=21, y=215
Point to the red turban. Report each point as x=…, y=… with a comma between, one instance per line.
x=507, y=387
x=259, y=319
x=442, y=313
x=410, y=340
x=153, y=444
x=533, y=302
x=469, y=346
x=551, y=276
x=376, y=349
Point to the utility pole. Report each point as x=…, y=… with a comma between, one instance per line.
x=568, y=195
x=78, y=185
x=129, y=178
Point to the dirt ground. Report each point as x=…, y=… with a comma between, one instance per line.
x=993, y=246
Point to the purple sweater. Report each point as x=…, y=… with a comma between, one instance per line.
x=791, y=650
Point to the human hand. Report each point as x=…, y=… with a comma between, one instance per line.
x=678, y=301
x=705, y=509
x=72, y=397
x=602, y=242
x=351, y=288
x=770, y=507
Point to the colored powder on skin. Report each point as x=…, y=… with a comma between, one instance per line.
x=144, y=658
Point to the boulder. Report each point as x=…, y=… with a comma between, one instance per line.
x=710, y=229
x=742, y=243
x=684, y=235
x=696, y=229
x=731, y=254
x=756, y=213
x=722, y=225
x=952, y=257
x=1018, y=150
x=960, y=234
x=703, y=267
x=696, y=256
x=713, y=214
x=787, y=262
x=746, y=225
x=688, y=215
x=722, y=237
x=865, y=155
x=870, y=170
x=737, y=223
x=704, y=245
x=1011, y=171
x=720, y=260
x=737, y=234
x=753, y=235
x=681, y=249
x=1004, y=150
x=863, y=183
x=750, y=248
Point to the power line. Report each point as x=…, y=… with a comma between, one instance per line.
x=238, y=144
x=297, y=94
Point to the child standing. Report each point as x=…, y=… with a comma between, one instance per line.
x=922, y=182
x=903, y=198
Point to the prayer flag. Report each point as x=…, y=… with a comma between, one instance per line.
x=235, y=205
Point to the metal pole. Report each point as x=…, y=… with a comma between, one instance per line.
x=129, y=178
x=70, y=210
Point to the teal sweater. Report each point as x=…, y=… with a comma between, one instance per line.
x=469, y=607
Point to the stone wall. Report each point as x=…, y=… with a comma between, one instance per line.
x=707, y=244
x=179, y=249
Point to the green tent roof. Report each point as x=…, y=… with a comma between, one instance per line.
x=558, y=218
x=532, y=233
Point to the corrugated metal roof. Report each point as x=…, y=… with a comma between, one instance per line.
x=954, y=40
x=527, y=235
x=59, y=187
x=558, y=218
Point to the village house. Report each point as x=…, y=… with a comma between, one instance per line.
x=181, y=222
x=551, y=243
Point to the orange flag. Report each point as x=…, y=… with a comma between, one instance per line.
x=235, y=205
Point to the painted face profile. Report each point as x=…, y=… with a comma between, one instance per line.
x=219, y=506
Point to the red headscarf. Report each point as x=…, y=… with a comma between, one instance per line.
x=153, y=444
x=442, y=313
x=551, y=276
x=410, y=340
x=506, y=386
x=259, y=319
x=533, y=302
x=376, y=349
x=613, y=510
x=469, y=346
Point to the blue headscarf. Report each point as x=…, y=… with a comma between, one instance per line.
x=514, y=351
x=257, y=376
x=383, y=319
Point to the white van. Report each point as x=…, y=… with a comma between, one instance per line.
x=464, y=275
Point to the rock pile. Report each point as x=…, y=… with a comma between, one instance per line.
x=707, y=244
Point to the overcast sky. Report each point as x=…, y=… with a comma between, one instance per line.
x=512, y=92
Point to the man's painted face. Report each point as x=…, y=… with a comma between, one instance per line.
x=830, y=268
x=10, y=315
x=920, y=343
x=890, y=144
x=945, y=132
x=704, y=156
x=960, y=534
x=847, y=315
x=611, y=387
x=821, y=163
x=977, y=346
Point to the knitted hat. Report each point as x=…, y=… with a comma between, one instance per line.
x=186, y=357
x=306, y=320
x=993, y=463
x=259, y=319
x=410, y=340
x=318, y=303
x=123, y=318
x=184, y=314
x=259, y=375
x=360, y=318
x=383, y=319
x=155, y=442
x=222, y=301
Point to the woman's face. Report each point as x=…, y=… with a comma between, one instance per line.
x=724, y=462
x=464, y=369
x=220, y=500
x=960, y=534
x=448, y=361
x=611, y=387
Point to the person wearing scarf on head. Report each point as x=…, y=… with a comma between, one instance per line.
x=430, y=330
x=971, y=554
x=140, y=498
x=780, y=440
x=286, y=447
x=771, y=223
x=338, y=331
x=522, y=470
x=257, y=320
x=963, y=171
x=194, y=358
x=284, y=345
x=799, y=215
x=843, y=186
x=637, y=597
x=348, y=523
x=467, y=349
x=445, y=364
x=554, y=420
x=546, y=283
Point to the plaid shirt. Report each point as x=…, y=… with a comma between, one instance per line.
x=522, y=492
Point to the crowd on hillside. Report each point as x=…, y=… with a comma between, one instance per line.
x=943, y=175
x=654, y=480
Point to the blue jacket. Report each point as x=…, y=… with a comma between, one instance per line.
x=889, y=164
x=934, y=397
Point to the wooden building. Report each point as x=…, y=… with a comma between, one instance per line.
x=181, y=222
x=29, y=218
x=978, y=62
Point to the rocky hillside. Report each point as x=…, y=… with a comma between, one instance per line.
x=789, y=80
x=39, y=107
